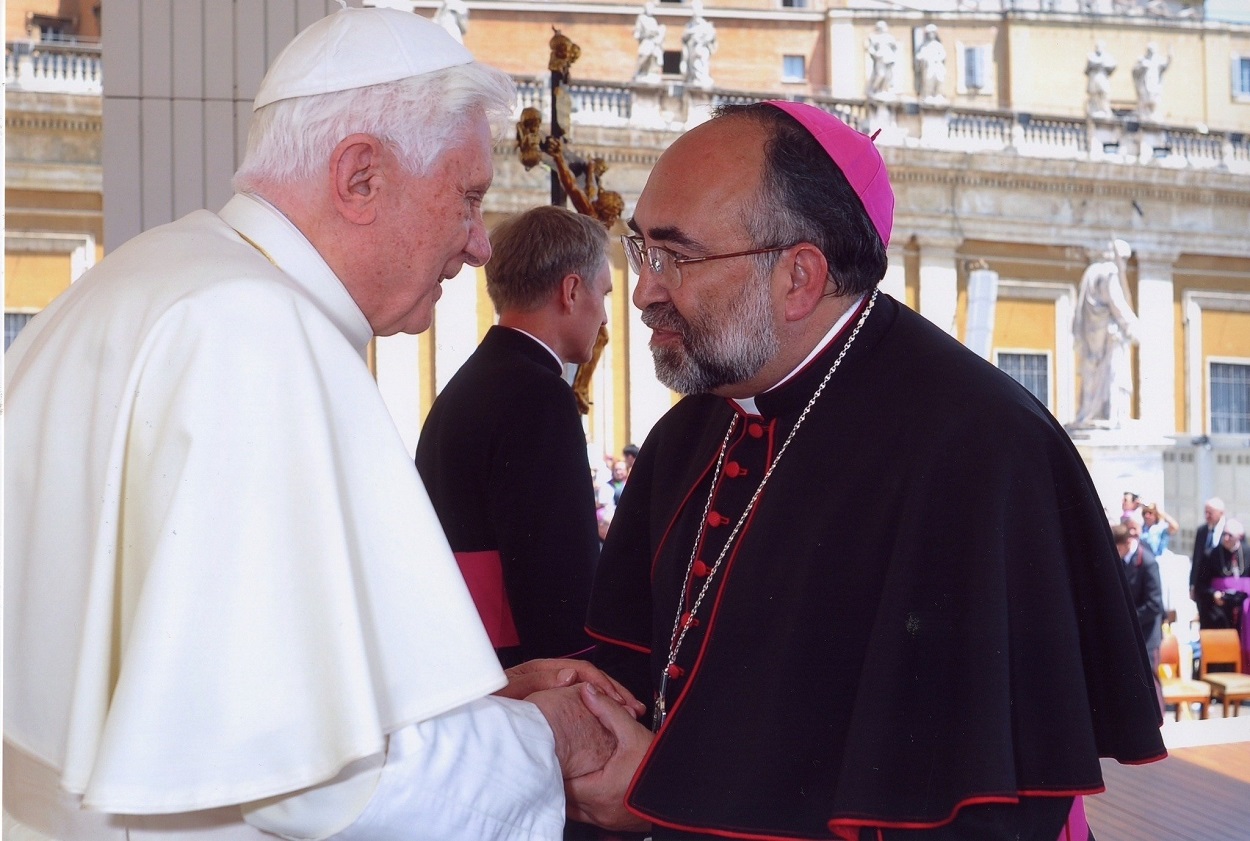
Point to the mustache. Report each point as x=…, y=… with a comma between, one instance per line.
x=664, y=316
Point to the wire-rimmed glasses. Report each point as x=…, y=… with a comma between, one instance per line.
x=666, y=266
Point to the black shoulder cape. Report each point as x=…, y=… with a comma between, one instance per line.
x=924, y=612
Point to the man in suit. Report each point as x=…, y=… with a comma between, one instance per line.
x=1146, y=589
x=1206, y=558
x=503, y=452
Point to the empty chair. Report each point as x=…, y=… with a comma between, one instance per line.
x=1176, y=690
x=1222, y=647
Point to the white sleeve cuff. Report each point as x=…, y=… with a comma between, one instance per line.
x=485, y=771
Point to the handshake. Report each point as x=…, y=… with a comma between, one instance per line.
x=599, y=742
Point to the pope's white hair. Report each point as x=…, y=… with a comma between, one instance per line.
x=290, y=141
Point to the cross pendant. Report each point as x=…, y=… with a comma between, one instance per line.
x=657, y=717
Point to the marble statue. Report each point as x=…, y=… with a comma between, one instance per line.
x=649, y=33
x=882, y=49
x=1105, y=328
x=453, y=15
x=1148, y=79
x=1098, y=68
x=931, y=67
x=698, y=42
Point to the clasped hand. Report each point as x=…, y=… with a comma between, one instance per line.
x=599, y=742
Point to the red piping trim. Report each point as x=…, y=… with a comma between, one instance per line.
x=681, y=507
x=724, y=581
x=632, y=646
x=837, y=824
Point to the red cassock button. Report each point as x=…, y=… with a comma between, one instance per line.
x=675, y=671
x=688, y=620
x=714, y=519
x=755, y=430
x=733, y=470
x=700, y=569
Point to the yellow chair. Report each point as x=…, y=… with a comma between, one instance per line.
x=1222, y=647
x=1177, y=690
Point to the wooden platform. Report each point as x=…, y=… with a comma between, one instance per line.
x=1201, y=792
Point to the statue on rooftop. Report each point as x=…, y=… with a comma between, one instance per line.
x=649, y=33
x=1098, y=69
x=453, y=15
x=1148, y=79
x=698, y=43
x=931, y=67
x=882, y=49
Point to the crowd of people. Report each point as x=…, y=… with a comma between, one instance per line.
x=235, y=609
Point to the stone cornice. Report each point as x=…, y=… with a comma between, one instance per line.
x=1072, y=178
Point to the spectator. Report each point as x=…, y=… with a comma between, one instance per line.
x=620, y=472
x=1206, y=544
x=1146, y=590
x=1158, y=526
x=503, y=452
x=630, y=453
x=1218, y=607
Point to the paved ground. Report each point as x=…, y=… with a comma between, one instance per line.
x=1201, y=792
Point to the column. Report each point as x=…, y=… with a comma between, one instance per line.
x=1157, y=349
x=895, y=281
x=842, y=44
x=649, y=399
x=397, y=358
x=455, y=325
x=939, y=286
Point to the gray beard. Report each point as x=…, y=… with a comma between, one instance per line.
x=715, y=355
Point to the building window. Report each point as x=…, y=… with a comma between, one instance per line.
x=1241, y=77
x=793, y=68
x=672, y=62
x=975, y=63
x=1230, y=398
x=794, y=4
x=1031, y=370
x=13, y=324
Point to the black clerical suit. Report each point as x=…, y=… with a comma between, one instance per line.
x=925, y=612
x=503, y=455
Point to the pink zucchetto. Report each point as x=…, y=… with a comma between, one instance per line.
x=855, y=155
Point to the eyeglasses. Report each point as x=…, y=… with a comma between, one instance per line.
x=666, y=266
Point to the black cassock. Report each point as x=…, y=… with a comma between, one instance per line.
x=503, y=456
x=924, y=617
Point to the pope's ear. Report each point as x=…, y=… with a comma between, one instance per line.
x=808, y=273
x=357, y=177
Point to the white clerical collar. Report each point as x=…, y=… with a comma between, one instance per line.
x=269, y=231
x=546, y=346
x=747, y=404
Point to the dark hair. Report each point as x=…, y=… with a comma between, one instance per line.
x=804, y=197
x=533, y=251
x=1120, y=532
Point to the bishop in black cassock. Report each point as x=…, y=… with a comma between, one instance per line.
x=916, y=627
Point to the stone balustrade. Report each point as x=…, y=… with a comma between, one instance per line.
x=907, y=123
x=53, y=67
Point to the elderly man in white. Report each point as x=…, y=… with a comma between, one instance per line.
x=229, y=609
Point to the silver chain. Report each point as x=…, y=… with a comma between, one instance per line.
x=680, y=628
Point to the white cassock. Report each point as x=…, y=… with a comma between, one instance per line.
x=224, y=581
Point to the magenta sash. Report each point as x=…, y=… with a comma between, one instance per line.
x=483, y=572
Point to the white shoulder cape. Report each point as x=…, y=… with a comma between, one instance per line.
x=223, y=578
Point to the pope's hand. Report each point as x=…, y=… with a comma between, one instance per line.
x=583, y=745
